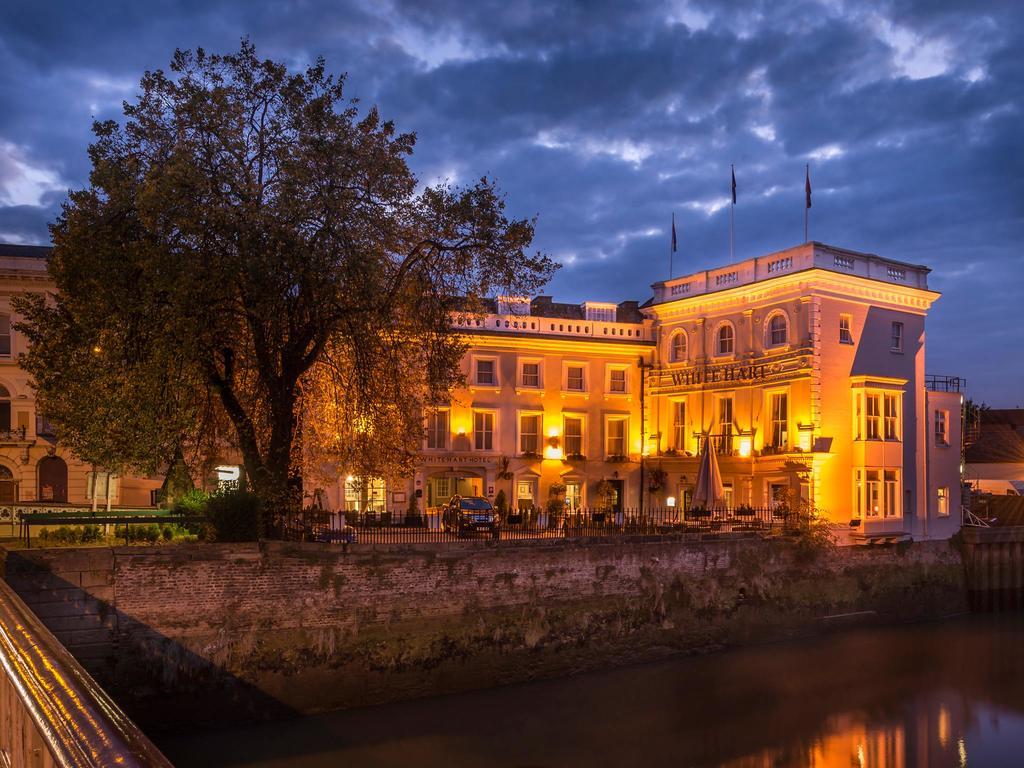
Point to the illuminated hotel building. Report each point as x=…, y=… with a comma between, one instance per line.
x=805, y=369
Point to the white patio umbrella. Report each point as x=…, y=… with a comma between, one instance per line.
x=708, y=492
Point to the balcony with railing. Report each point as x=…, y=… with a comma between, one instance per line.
x=534, y=325
x=936, y=383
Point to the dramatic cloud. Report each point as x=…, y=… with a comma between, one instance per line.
x=604, y=118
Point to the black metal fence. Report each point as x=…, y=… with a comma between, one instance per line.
x=536, y=523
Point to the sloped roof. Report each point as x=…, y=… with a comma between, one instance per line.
x=1001, y=438
x=9, y=250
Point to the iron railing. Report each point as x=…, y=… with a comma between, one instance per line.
x=936, y=383
x=535, y=523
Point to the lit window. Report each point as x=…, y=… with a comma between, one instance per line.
x=942, y=427
x=726, y=340
x=483, y=430
x=573, y=435
x=485, y=373
x=892, y=496
x=526, y=493
x=573, y=495
x=725, y=425
x=574, y=380
x=943, y=502
x=531, y=375
x=896, y=344
x=679, y=347
x=437, y=430
x=529, y=433
x=617, y=380
x=364, y=494
x=5, y=335
x=616, y=437
x=873, y=430
x=874, y=494
x=892, y=417
x=779, y=436
x=845, y=334
x=679, y=425
x=778, y=331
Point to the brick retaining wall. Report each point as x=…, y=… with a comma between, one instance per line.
x=272, y=628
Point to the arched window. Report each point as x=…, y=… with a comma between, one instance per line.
x=53, y=479
x=777, y=331
x=726, y=340
x=678, y=347
x=8, y=486
x=5, y=409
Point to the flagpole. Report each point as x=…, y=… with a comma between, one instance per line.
x=807, y=208
x=732, y=208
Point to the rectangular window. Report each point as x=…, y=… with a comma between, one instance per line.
x=892, y=421
x=942, y=427
x=725, y=425
x=616, y=437
x=529, y=433
x=531, y=375
x=573, y=426
x=892, y=496
x=526, y=493
x=437, y=430
x=858, y=416
x=573, y=495
x=943, y=502
x=679, y=425
x=779, y=434
x=5, y=335
x=896, y=345
x=874, y=494
x=483, y=430
x=845, y=334
x=364, y=494
x=858, y=484
x=44, y=428
x=729, y=496
x=574, y=381
x=872, y=423
x=486, y=375
x=617, y=380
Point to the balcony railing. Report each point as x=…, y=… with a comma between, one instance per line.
x=935, y=383
x=12, y=435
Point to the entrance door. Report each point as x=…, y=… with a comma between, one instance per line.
x=53, y=479
x=618, y=492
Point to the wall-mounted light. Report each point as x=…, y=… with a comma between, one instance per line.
x=746, y=444
x=670, y=501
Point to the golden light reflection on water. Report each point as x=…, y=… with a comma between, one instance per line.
x=915, y=740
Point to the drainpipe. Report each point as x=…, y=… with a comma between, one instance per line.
x=643, y=428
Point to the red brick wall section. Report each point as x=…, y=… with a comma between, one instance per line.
x=312, y=627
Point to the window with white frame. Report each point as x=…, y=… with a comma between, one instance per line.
x=942, y=427
x=437, y=430
x=725, y=343
x=575, y=378
x=678, y=347
x=872, y=420
x=892, y=493
x=778, y=410
x=5, y=336
x=876, y=493
x=600, y=314
x=942, y=508
x=526, y=494
x=896, y=340
x=777, y=331
x=483, y=430
x=364, y=494
x=679, y=425
x=725, y=424
x=615, y=434
x=845, y=332
x=529, y=432
x=486, y=374
x=529, y=374
x=729, y=495
x=617, y=380
x=572, y=435
x=891, y=404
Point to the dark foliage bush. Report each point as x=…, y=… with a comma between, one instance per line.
x=234, y=516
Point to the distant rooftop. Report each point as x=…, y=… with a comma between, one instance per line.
x=9, y=250
x=812, y=255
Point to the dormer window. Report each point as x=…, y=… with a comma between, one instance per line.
x=513, y=305
x=598, y=312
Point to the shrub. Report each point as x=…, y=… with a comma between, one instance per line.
x=501, y=502
x=234, y=516
x=191, y=503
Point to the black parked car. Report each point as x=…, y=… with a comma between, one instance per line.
x=465, y=514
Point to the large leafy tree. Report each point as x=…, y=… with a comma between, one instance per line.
x=254, y=266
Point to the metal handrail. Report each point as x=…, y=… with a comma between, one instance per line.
x=79, y=723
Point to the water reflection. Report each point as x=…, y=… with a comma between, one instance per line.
x=949, y=694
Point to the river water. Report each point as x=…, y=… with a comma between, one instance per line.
x=938, y=694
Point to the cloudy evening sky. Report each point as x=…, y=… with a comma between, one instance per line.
x=603, y=118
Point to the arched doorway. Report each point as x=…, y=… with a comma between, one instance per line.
x=53, y=479
x=8, y=486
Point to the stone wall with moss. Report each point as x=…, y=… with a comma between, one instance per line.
x=273, y=628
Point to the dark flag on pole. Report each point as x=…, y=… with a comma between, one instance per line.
x=673, y=233
x=734, y=185
x=807, y=186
